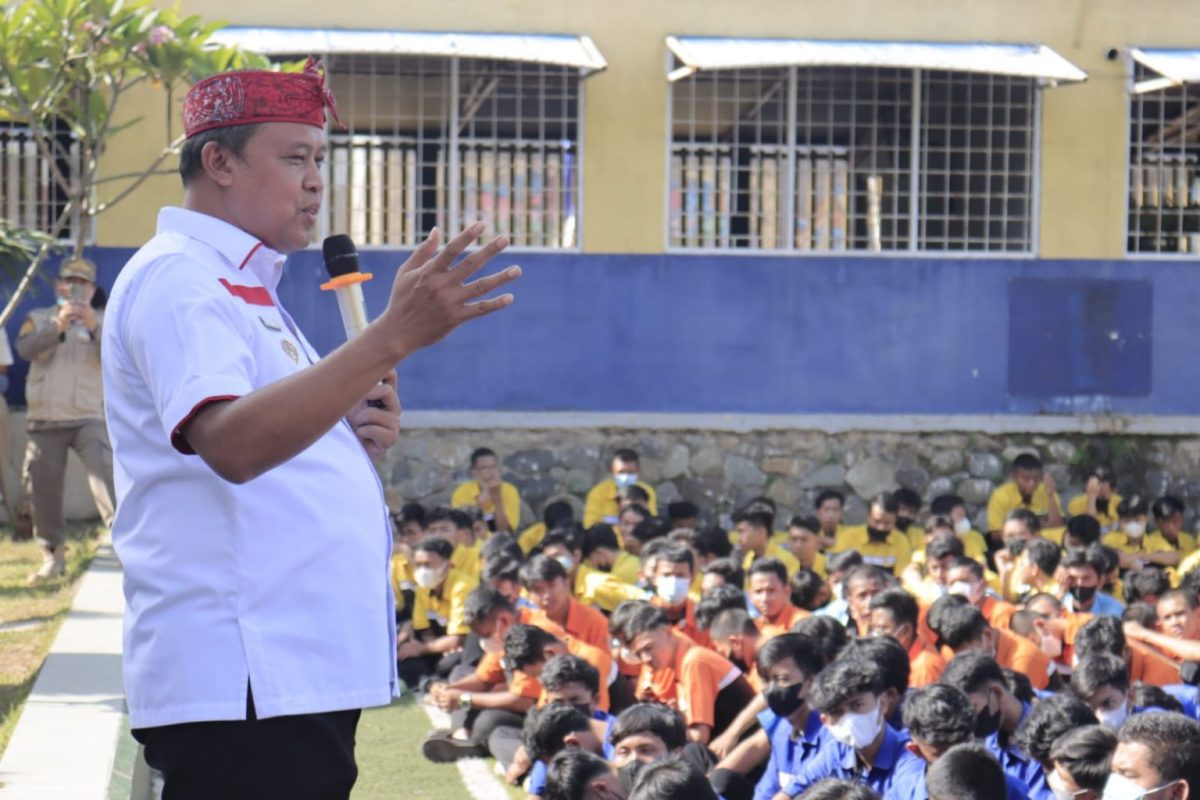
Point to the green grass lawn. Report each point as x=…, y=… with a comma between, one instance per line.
x=22, y=651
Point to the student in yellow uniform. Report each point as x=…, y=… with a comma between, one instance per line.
x=438, y=626
x=954, y=508
x=498, y=501
x=558, y=514
x=1168, y=518
x=602, y=552
x=1136, y=547
x=908, y=507
x=1021, y=529
x=591, y=586
x=602, y=505
x=1099, y=499
x=804, y=542
x=1034, y=572
x=1028, y=487
x=629, y=517
x=754, y=537
x=878, y=541
x=829, y=507
x=455, y=526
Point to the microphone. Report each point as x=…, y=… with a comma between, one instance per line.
x=345, y=281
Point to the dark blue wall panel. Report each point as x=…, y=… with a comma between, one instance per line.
x=757, y=334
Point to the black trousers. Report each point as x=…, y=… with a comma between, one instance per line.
x=303, y=757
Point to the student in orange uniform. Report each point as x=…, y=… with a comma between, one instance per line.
x=894, y=613
x=674, y=571
x=966, y=577
x=961, y=628
x=1106, y=634
x=707, y=689
x=1178, y=634
x=770, y=594
x=545, y=580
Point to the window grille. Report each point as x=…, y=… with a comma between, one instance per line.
x=29, y=195
x=832, y=159
x=1164, y=173
x=446, y=141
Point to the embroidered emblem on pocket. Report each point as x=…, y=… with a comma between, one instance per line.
x=291, y=350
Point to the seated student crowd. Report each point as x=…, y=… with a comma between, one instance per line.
x=635, y=656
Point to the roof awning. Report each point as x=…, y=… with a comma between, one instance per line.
x=1175, y=67
x=562, y=50
x=698, y=53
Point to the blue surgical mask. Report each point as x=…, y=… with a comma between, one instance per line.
x=625, y=479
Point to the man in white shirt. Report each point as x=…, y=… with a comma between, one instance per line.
x=251, y=523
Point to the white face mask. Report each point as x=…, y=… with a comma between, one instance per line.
x=427, y=577
x=1119, y=787
x=1134, y=530
x=962, y=526
x=858, y=730
x=1114, y=718
x=672, y=588
x=1056, y=787
x=625, y=479
x=493, y=644
x=968, y=590
x=566, y=561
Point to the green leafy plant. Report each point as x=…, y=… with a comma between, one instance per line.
x=65, y=67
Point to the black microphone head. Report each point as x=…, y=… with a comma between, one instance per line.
x=341, y=258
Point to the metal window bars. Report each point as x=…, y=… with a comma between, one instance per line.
x=1164, y=167
x=833, y=159
x=29, y=195
x=446, y=141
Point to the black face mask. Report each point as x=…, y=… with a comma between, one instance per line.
x=604, y=567
x=903, y=522
x=584, y=708
x=876, y=535
x=1015, y=546
x=628, y=774
x=987, y=722
x=1084, y=594
x=784, y=700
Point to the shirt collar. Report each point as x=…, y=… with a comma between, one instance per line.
x=238, y=247
x=889, y=752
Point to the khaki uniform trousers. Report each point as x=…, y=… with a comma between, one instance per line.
x=46, y=466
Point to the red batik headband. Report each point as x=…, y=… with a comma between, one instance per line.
x=248, y=97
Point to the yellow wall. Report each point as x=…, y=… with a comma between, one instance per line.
x=1084, y=130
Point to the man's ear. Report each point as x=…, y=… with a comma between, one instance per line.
x=216, y=161
x=912, y=748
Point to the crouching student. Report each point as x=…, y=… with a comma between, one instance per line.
x=552, y=727
x=579, y=774
x=966, y=772
x=1082, y=761
x=671, y=779
x=1102, y=681
x=651, y=732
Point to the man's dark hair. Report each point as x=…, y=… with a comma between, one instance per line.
x=836, y=789
x=678, y=554
x=557, y=515
x=806, y=587
x=712, y=541
x=411, y=512
x=1089, y=556
x=939, y=715
x=1027, y=518
x=501, y=568
x=616, y=620
x=971, y=673
x=803, y=652
x=966, y=772
x=1049, y=719
x=940, y=605
x=958, y=625
x=726, y=597
x=1142, y=613
x=769, y=566
x=942, y=545
x=1135, y=506
x=682, y=509
x=1086, y=754
x=1173, y=743
x=568, y=536
x=1189, y=598
x=567, y=669
x=842, y=680
x=1027, y=462
x=635, y=494
x=888, y=654
x=570, y=772
x=900, y=604
x=755, y=519
x=1101, y=634
x=943, y=504
x=1020, y=686
x=501, y=545
x=670, y=779
x=1084, y=528
x=1145, y=582
x=1147, y=696
x=546, y=727
x=482, y=452
x=844, y=561
x=1096, y=671
x=436, y=545
x=1167, y=506
x=233, y=138
x=643, y=619
x=482, y=603
x=829, y=494
x=649, y=529
x=599, y=536
x=827, y=633
x=808, y=523
x=525, y=645
x=627, y=455
x=908, y=498
x=541, y=568
x=731, y=622
x=459, y=518
x=969, y=564
x=1045, y=554
x=652, y=549
x=885, y=500
x=654, y=718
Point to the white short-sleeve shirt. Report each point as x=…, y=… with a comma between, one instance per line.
x=281, y=582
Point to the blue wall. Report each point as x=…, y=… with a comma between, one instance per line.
x=787, y=335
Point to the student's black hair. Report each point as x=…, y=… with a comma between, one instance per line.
x=557, y=514
x=829, y=494
x=1166, y=506
x=1096, y=671
x=900, y=604
x=1145, y=582
x=541, y=568
x=635, y=494
x=842, y=680
x=627, y=455
x=837, y=789
x=908, y=498
x=942, y=545
x=1027, y=518
x=570, y=772
x=755, y=519
x=1191, y=582
x=1084, y=528
x=233, y=138
x=1090, y=556
x=1133, y=506
x=943, y=504
x=546, y=727
x=644, y=619
x=726, y=597
x=501, y=545
x=1142, y=613
x=769, y=566
x=436, y=545
x=599, y=536
x=569, y=536
x=885, y=500
x=411, y=512
x=456, y=516
x=1045, y=554
x=972, y=672
x=827, y=633
x=525, y=645
x=1188, y=597
x=1020, y=686
x=808, y=523
x=969, y=564
x=943, y=603
x=651, y=550
x=682, y=509
x=672, y=779
x=1027, y=461
x=482, y=603
x=566, y=669
x=1022, y=621
x=1086, y=755
x=803, y=652
x=498, y=569
x=712, y=541
x=678, y=554
x=966, y=772
x=683, y=536
x=939, y=715
x=844, y=561
x=620, y=614
x=806, y=587
x=731, y=622
x=638, y=509
x=649, y=529
x=654, y=718
x=1049, y=719
x=1045, y=598
x=1172, y=742
x=482, y=452
x=1147, y=695
x=958, y=625
x=888, y=654
x=1100, y=634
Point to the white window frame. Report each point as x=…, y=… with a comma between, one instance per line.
x=37, y=186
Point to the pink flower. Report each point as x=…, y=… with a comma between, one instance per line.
x=161, y=34
x=88, y=26
x=140, y=48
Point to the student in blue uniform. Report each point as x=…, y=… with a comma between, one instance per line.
x=787, y=666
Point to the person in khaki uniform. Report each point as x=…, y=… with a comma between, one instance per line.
x=66, y=410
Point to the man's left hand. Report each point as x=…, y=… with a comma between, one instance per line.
x=378, y=428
